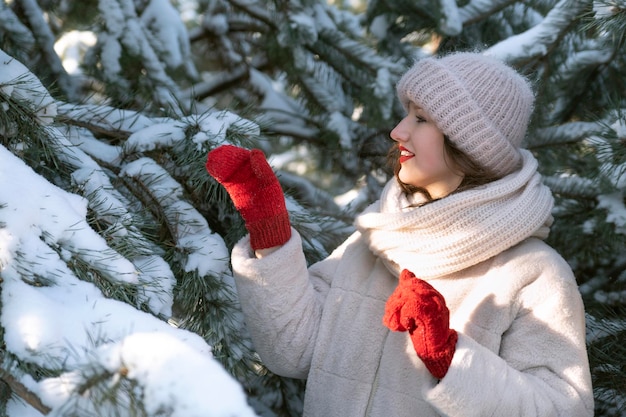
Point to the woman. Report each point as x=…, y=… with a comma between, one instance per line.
x=446, y=301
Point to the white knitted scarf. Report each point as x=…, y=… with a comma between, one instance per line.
x=460, y=230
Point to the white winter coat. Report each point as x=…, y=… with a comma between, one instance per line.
x=519, y=316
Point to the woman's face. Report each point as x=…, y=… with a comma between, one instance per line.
x=422, y=154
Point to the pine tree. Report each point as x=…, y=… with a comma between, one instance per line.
x=124, y=117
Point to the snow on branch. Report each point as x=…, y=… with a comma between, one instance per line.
x=283, y=113
x=572, y=71
x=42, y=231
x=358, y=53
x=154, y=361
x=67, y=231
x=124, y=30
x=169, y=35
x=450, y=22
x=615, y=210
x=476, y=10
x=155, y=278
x=572, y=186
x=608, y=153
x=19, y=84
x=571, y=132
x=538, y=40
x=593, y=56
x=105, y=118
x=209, y=126
x=45, y=38
x=14, y=29
x=50, y=215
x=202, y=250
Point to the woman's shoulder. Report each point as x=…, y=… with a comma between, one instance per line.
x=535, y=251
x=532, y=245
x=536, y=264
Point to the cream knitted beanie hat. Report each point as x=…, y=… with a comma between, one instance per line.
x=479, y=102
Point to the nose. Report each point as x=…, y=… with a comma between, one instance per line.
x=398, y=133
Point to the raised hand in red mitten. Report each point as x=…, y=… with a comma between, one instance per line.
x=255, y=191
x=415, y=306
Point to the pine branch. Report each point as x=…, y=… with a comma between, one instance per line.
x=188, y=229
x=574, y=76
x=540, y=39
x=108, y=123
x=24, y=393
x=255, y=10
x=127, y=34
x=477, y=10
x=308, y=193
x=219, y=82
x=15, y=30
x=449, y=19
x=572, y=186
x=567, y=133
x=45, y=38
x=608, y=20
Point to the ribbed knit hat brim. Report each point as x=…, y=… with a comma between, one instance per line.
x=480, y=103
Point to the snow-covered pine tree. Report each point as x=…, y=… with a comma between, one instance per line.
x=122, y=132
x=93, y=287
x=129, y=95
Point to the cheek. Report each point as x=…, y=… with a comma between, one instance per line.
x=432, y=159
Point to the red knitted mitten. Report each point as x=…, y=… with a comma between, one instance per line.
x=255, y=191
x=415, y=306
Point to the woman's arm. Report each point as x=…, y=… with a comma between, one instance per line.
x=282, y=301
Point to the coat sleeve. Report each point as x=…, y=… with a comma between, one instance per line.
x=282, y=302
x=541, y=368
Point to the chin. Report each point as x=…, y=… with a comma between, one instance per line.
x=409, y=180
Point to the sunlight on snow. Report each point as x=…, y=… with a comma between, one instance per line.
x=72, y=46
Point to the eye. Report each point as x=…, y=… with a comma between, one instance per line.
x=420, y=119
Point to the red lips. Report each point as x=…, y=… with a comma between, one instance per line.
x=405, y=154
